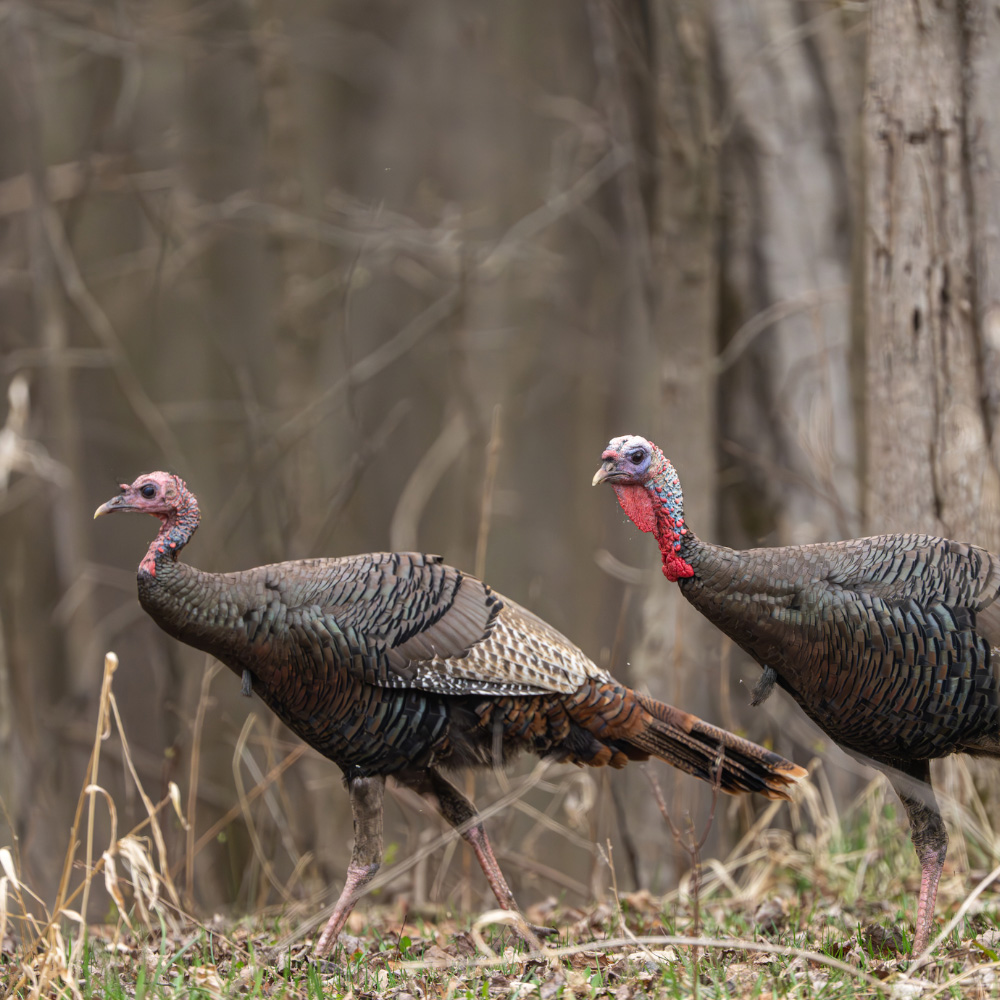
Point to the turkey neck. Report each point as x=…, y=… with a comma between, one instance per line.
x=736, y=590
x=658, y=507
x=737, y=593
x=198, y=608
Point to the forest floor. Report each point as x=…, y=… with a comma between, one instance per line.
x=825, y=911
x=803, y=917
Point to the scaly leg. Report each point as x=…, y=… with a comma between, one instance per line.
x=462, y=815
x=366, y=803
x=930, y=838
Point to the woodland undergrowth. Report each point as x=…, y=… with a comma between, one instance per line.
x=823, y=912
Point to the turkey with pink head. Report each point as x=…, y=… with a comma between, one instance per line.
x=395, y=664
x=887, y=643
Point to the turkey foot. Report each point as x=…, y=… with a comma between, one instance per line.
x=395, y=663
x=367, y=796
x=888, y=643
x=462, y=815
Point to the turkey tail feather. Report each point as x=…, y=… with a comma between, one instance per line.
x=713, y=754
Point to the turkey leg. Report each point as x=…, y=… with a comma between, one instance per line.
x=462, y=815
x=366, y=803
x=930, y=838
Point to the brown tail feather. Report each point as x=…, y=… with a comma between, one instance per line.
x=983, y=746
x=711, y=753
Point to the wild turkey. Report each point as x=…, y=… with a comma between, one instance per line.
x=396, y=664
x=887, y=642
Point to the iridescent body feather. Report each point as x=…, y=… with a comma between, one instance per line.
x=888, y=643
x=397, y=664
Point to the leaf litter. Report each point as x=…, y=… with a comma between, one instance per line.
x=825, y=912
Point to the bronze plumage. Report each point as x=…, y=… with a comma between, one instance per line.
x=888, y=643
x=397, y=664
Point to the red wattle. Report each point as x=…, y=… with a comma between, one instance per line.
x=668, y=537
x=674, y=567
x=637, y=502
x=638, y=505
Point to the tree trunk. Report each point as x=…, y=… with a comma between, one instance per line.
x=932, y=142
x=679, y=646
x=982, y=136
x=930, y=304
x=787, y=94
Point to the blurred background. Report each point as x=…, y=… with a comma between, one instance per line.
x=377, y=275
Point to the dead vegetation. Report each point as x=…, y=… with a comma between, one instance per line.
x=821, y=911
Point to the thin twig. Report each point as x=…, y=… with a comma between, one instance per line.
x=132, y=389
x=489, y=482
x=310, y=416
x=416, y=494
x=693, y=848
x=211, y=670
x=726, y=944
x=151, y=810
x=251, y=826
x=110, y=665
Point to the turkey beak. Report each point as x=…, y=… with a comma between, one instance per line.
x=115, y=503
x=605, y=472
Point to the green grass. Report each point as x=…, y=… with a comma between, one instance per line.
x=824, y=912
x=798, y=949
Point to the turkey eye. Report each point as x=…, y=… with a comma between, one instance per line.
x=636, y=457
x=148, y=491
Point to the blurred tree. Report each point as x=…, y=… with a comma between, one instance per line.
x=751, y=270
x=932, y=188
x=373, y=274
x=933, y=291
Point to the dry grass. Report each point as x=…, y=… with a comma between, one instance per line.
x=822, y=912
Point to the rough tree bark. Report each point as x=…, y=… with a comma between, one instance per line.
x=678, y=646
x=932, y=140
x=982, y=136
x=786, y=97
x=788, y=90
x=932, y=289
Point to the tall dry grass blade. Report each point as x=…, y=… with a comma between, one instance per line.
x=279, y=809
x=47, y=950
x=113, y=888
x=101, y=734
x=134, y=832
x=45, y=967
x=145, y=880
x=174, y=794
x=93, y=790
x=543, y=821
x=213, y=831
x=876, y=800
x=211, y=670
x=262, y=858
x=151, y=810
x=16, y=888
x=3, y=911
x=7, y=863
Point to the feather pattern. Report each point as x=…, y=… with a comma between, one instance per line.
x=888, y=643
x=394, y=663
